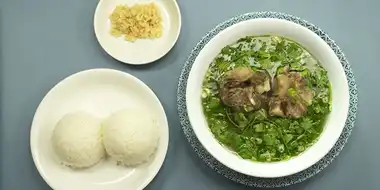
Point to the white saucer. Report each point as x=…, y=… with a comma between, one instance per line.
x=140, y=51
x=100, y=92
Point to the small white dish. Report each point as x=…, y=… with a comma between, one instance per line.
x=142, y=51
x=100, y=92
x=317, y=47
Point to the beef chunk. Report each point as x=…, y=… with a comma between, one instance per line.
x=242, y=88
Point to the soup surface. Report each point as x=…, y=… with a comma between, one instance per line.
x=266, y=98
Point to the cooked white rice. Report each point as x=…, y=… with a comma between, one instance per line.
x=130, y=136
x=77, y=140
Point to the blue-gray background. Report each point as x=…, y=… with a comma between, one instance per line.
x=43, y=41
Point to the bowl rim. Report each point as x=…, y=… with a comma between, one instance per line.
x=233, y=166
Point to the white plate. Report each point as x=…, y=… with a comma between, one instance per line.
x=140, y=51
x=100, y=92
x=317, y=47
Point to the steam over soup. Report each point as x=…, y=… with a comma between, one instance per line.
x=266, y=98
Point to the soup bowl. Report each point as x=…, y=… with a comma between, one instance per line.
x=335, y=121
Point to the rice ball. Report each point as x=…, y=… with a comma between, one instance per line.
x=77, y=140
x=130, y=136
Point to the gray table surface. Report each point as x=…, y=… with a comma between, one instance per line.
x=43, y=41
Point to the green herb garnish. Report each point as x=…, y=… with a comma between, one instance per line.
x=255, y=135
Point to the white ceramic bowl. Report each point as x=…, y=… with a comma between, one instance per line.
x=142, y=51
x=312, y=42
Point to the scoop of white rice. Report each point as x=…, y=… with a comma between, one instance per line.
x=130, y=136
x=77, y=140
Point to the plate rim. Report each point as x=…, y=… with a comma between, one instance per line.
x=33, y=143
x=178, y=10
x=255, y=181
